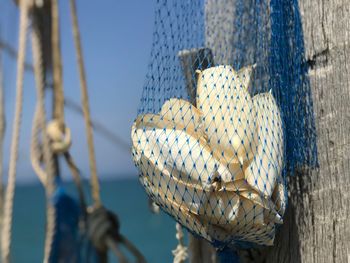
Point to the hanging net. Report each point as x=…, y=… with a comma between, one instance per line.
x=225, y=115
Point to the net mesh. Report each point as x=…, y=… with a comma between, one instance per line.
x=225, y=114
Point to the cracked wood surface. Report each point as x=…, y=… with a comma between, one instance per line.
x=317, y=222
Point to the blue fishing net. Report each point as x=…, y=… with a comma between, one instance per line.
x=226, y=113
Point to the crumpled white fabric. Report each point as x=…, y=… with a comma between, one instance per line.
x=216, y=168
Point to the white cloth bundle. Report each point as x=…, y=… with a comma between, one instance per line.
x=216, y=168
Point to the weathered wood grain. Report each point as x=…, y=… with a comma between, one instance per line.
x=317, y=223
x=318, y=228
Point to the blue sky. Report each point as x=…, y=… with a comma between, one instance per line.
x=117, y=40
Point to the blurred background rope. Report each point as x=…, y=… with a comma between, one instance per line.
x=10, y=188
x=2, y=135
x=57, y=66
x=95, y=186
x=181, y=251
x=47, y=153
x=70, y=104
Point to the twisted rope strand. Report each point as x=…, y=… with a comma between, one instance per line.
x=10, y=189
x=77, y=180
x=180, y=253
x=130, y=246
x=116, y=250
x=35, y=148
x=2, y=133
x=57, y=66
x=95, y=186
x=40, y=118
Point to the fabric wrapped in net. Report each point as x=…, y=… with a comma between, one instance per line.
x=217, y=167
x=225, y=114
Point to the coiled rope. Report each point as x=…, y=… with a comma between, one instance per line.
x=10, y=188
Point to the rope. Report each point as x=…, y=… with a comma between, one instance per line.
x=12, y=52
x=180, y=253
x=10, y=189
x=99, y=127
x=77, y=181
x=61, y=140
x=103, y=231
x=95, y=187
x=73, y=106
x=57, y=67
x=94, y=178
x=2, y=133
x=132, y=249
x=116, y=250
x=35, y=148
x=46, y=149
x=56, y=136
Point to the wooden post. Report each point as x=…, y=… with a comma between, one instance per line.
x=316, y=226
x=191, y=60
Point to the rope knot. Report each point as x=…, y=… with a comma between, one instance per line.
x=180, y=252
x=101, y=225
x=61, y=139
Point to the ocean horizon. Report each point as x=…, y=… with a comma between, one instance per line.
x=153, y=234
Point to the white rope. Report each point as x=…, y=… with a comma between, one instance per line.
x=58, y=97
x=35, y=148
x=10, y=189
x=73, y=106
x=2, y=133
x=95, y=185
x=60, y=140
x=2, y=128
x=181, y=251
x=39, y=124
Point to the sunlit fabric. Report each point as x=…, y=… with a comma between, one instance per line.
x=226, y=114
x=215, y=167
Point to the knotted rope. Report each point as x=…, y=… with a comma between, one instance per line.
x=103, y=231
x=10, y=188
x=39, y=124
x=56, y=135
x=60, y=140
x=180, y=253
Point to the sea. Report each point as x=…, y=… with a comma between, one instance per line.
x=153, y=234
